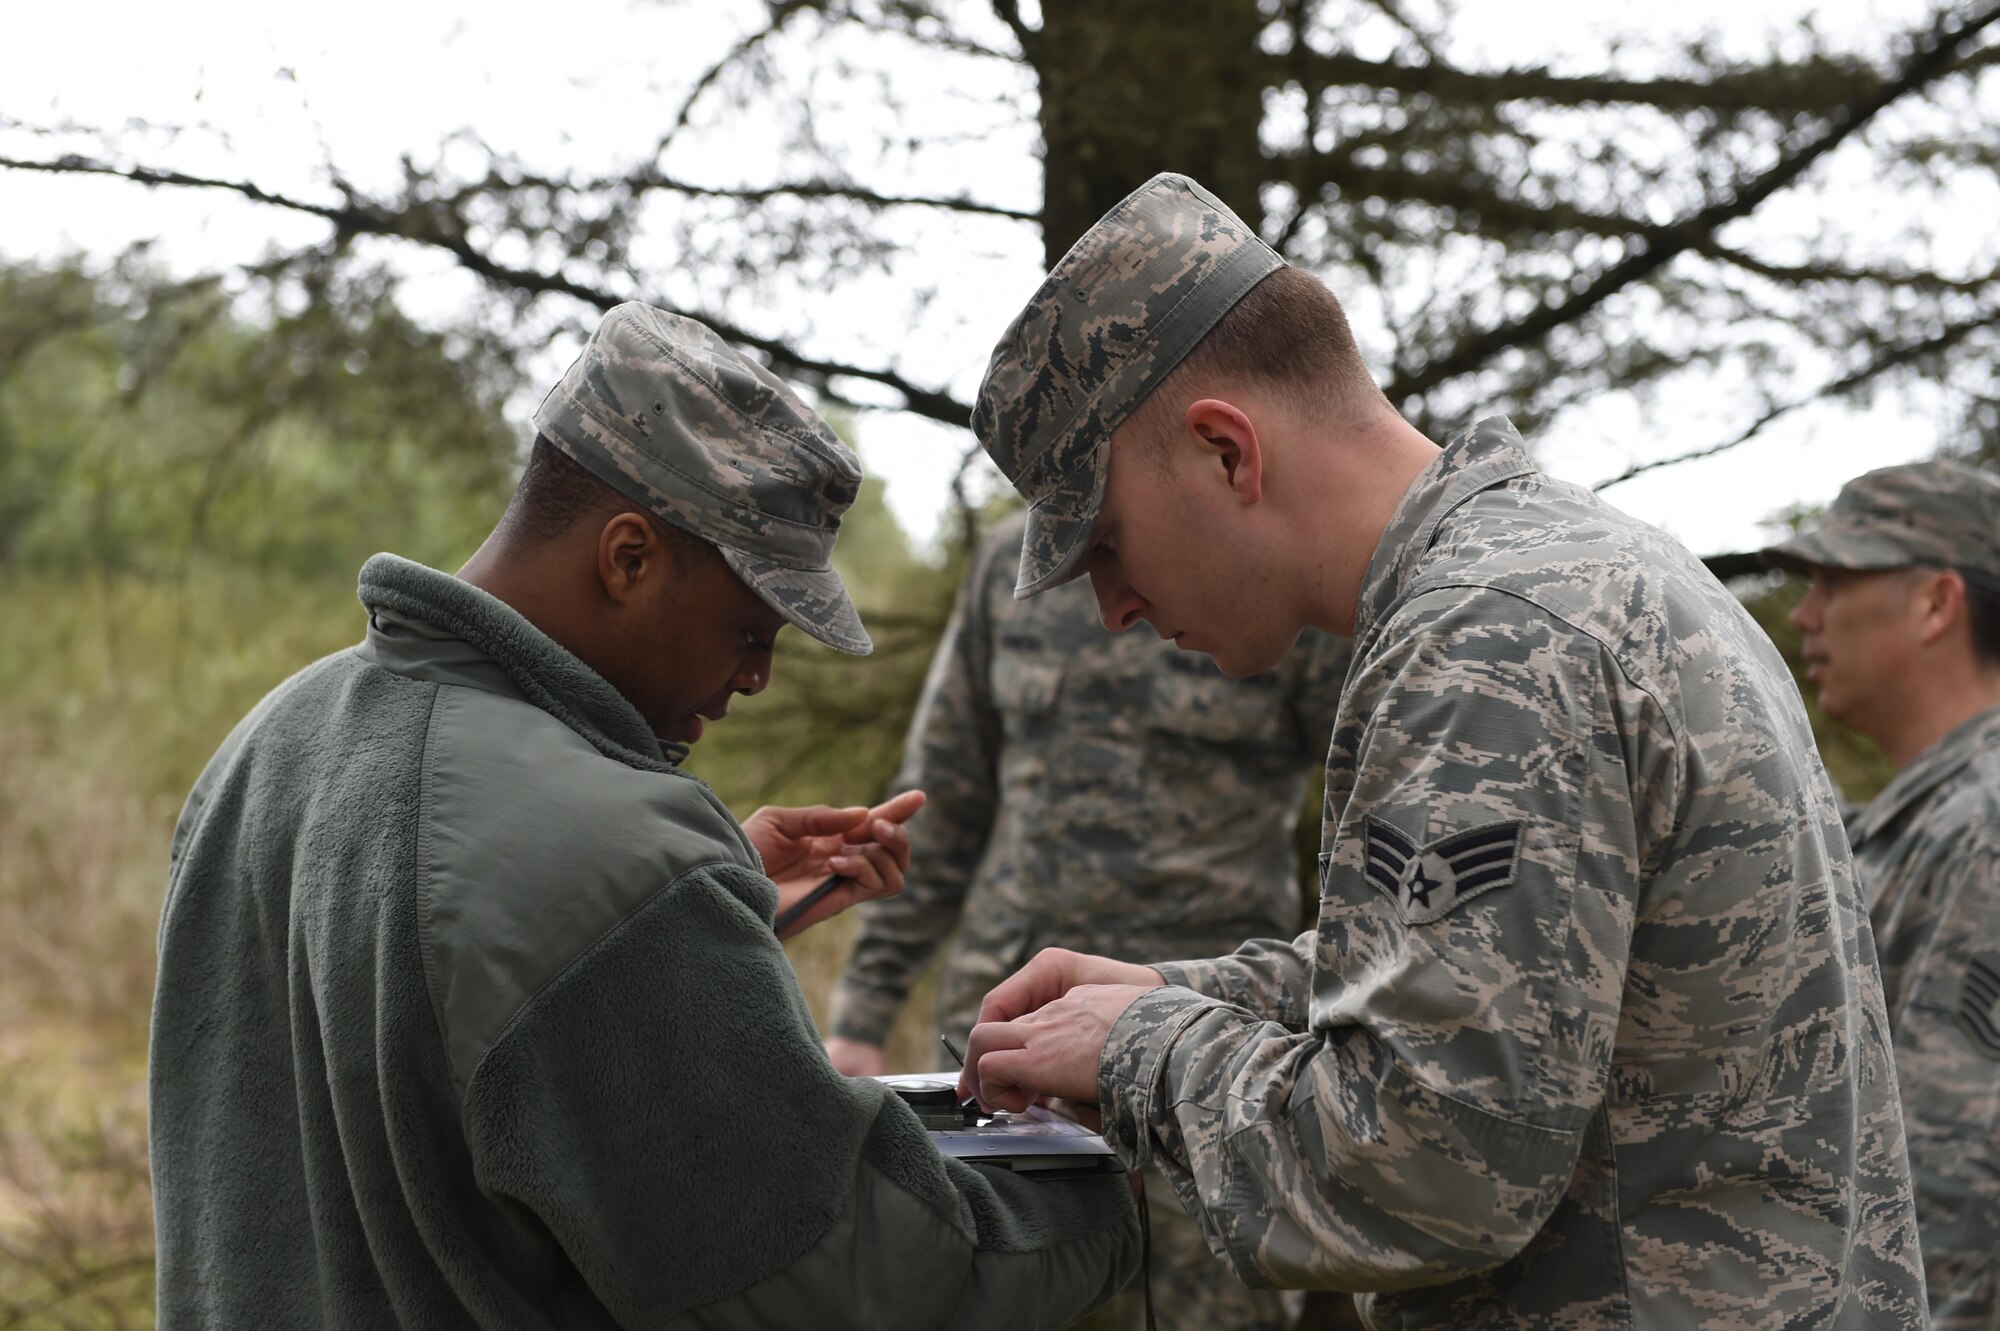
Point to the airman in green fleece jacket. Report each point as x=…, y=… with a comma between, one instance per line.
x=470, y=1013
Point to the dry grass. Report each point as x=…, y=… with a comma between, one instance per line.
x=112, y=695
x=76, y=1233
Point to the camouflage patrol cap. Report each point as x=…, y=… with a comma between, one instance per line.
x=665, y=412
x=1123, y=308
x=1933, y=512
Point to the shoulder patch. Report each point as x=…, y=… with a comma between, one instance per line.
x=533, y=846
x=1979, y=1004
x=1426, y=883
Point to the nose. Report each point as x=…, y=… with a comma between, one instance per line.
x=753, y=675
x=1806, y=614
x=1117, y=604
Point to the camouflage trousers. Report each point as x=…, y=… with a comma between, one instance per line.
x=1193, y=1289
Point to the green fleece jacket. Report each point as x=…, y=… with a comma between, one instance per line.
x=470, y=1015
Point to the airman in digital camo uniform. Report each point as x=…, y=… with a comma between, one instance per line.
x=1589, y=1032
x=1902, y=640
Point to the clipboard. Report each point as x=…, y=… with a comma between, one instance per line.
x=1033, y=1142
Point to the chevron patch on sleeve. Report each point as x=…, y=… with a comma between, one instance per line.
x=1979, y=1004
x=1426, y=883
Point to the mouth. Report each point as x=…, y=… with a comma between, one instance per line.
x=694, y=723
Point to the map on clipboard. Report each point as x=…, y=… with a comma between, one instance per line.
x=1033, y=1142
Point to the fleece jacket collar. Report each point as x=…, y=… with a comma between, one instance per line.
x=428, y=625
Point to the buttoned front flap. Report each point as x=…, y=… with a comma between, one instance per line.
x=1191, y=698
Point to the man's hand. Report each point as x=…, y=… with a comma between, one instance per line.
x=802, y=847
x=1053, y=1050
x=1053, y=973
x=852, y=1058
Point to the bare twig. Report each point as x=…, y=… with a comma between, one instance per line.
x=1821, y=86
x=1649, y=254
x=781, y=13
x=1802, y=273
x=1892, y=359
x=424, y=227
x=1009, y=13
x=652, y=178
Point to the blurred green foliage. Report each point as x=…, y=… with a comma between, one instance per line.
x=149, y=427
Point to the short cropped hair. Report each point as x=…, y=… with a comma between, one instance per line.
x=1982, y=609
x=1287, y=333
x=555, y=494
x=1982, y=613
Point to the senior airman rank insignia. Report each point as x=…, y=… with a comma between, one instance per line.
x=1428, y=882
x=1979, y=1004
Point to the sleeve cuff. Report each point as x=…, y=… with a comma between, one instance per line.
x=1180, y=974
x=1129, y=1070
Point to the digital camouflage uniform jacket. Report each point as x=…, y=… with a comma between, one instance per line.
x=1928, y=850
x=1098, y=791
x=470, y=1015
x=1590, y=1032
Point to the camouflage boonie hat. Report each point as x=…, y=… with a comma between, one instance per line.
x=1924, y=513
x=665, y=412
x=1123, y=308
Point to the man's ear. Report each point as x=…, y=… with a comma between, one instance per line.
x=1231, y=446
x=1940, y=603
x=629, y=554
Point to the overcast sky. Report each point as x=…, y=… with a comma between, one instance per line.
x=277, y=89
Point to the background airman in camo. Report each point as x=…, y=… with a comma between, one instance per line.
x=1902, y=640
x=1590, y=1030
x=1098, y=792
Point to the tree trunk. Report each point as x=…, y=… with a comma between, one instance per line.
x=1134, y=87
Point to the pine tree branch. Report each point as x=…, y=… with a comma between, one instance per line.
x=1822, y=85
x=1802, y=274
x=823, y=189
x=1500, y=215
x=781, y=13
x=1934, y=58
x=1009, y=13
x=907, y=18
x=652, y=178
x=424, y=227
x=1426, y=41
x=1892, y=359
x=76, y=164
